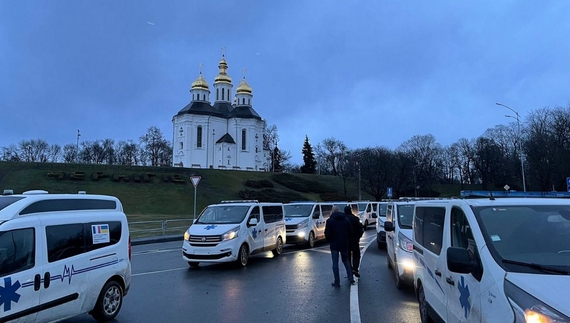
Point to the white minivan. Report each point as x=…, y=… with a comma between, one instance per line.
x=399, y=247
x=496, y=258
x=305, y=221
x=232, y=231
x=62, y=255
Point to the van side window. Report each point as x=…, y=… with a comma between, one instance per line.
x=255, y=214
x=462, y=236
x=64, y=241
x=17, y=251
x=316, y=212
x=428, y=228
x=272, y=213
x=389, y=211
x=326, y=209
x=69, y=205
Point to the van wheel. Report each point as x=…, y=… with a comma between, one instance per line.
x=424, y=315
x=311, y=241
x=243, y=255
x=109, y=302
x=399, y=281
x=278, y=247
x=193, y=264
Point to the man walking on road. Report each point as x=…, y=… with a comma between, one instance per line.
x=354, y=242
x=337, y=232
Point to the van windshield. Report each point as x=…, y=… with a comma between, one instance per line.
x=297, y=210
x=538, y=234
x=225, y=214
x=362, y=207
x=405, y=216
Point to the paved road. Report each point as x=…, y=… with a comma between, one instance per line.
x=294, y=287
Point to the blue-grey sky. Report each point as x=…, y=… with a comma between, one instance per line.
x=369, y=73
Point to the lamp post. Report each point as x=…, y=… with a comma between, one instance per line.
x=519, y=139
x=77, y=146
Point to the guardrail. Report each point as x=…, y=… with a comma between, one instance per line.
x=140, y=229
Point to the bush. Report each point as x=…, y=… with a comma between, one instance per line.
x=318, y=187
x=291, y=182
x=253, y=184
x=266, y=183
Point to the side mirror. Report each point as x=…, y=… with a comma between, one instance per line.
x=252, y=222
x=459, y=261
x=374, y=216
x=388, y=226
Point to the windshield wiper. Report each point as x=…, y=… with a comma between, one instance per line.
x=537, y=266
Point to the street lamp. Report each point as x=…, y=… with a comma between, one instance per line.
x=519, y=139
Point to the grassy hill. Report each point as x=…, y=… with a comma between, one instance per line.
x=158, y=193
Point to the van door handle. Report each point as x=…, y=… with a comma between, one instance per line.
x=37, y=281
x=438, y=273
x=47, y=279
x=450, y=281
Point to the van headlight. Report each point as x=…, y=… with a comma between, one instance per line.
x=528, y=309
x=405, y=243
x=232, y=234
x=187, y=235
x=303, y=224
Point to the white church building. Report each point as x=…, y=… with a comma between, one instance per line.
x=224, y=135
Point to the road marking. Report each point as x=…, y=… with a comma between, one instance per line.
x=146, y=252
x=354, y=306
x=159, y=271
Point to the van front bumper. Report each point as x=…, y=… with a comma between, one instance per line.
x=406, y=265
x=223, y=252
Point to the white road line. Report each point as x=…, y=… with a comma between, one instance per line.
x=159, y=271
x=354, y=306
x=146, y=252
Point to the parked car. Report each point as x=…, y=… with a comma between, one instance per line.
x=305, y=221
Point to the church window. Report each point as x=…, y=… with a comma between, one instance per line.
x=228, y=94
x=249, y=101
x=204, y=97
x=181, y=145
x=217, y=94
x=223, y=92
x=199, y=137
x=243, y=101
x=243, y=139
x=193, y=97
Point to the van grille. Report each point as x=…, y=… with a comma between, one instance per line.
x=291, y=227
x=204, y=241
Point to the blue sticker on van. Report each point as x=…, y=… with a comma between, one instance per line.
x=429, y=271
x=8, y=293
x=254, y=233
x=210, y=227
x=464, y=296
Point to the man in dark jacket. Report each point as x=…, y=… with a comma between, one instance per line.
x=337, y=232
x=354, y=242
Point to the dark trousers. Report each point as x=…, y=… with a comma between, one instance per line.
x=344, y=259
x=354, y=255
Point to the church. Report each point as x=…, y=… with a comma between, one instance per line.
x=224, y=135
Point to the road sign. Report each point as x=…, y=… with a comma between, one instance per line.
x=389, y=194
x=195, y=180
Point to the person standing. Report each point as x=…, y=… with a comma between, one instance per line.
x=337, y=233
x=354, y=241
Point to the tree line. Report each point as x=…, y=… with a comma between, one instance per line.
x=536, y=148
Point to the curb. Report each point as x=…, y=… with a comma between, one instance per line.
x=158, y=239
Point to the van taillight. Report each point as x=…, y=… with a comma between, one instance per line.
x=130, y=248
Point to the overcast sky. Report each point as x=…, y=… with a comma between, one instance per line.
x=369, y=73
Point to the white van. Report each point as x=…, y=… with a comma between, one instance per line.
x=364, y=211
x=399, y=247
x=380, y=232
x=305, y=221
x=62, y=255
x=493, y=259
x=234, y=230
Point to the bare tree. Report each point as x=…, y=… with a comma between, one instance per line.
x=333, y=152
x=155, y=146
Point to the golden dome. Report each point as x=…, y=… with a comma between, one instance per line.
x=200, y=83
x=223, y=77
x=243, y=87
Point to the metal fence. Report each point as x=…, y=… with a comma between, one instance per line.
x=140, y=229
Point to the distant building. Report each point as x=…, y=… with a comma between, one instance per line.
x=223, y=135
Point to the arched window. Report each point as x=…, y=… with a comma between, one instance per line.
x=193, y=97
x=204, y=97
x=243, y=139
x=223, y=92
x=249, y=101
x=217, y=94
x=199, y=137
x=228, y=94
x=243, y=101
x=181, y=145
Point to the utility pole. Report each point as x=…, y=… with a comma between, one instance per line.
x=519, y=139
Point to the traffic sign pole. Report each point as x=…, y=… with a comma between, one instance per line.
x=195, y=180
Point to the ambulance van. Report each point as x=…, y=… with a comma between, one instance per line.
x=493, y=257
x=62, y=255
x=305, y=222
x=232, y=231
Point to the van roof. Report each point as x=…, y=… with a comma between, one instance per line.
x=34, y=202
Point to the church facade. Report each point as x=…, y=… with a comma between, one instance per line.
x=225, y=135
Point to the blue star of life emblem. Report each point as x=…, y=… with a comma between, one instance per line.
x=8, y=293
x=210, y=227
x=288, y=219
x=254, y=233
x=464, y=296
